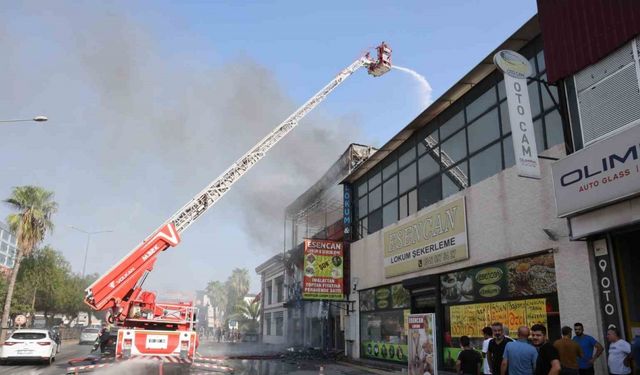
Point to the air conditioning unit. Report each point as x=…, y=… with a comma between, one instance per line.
x=608, y=94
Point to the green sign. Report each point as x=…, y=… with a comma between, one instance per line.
x=384, y=350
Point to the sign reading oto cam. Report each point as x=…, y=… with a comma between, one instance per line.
x=323, y=268
x=435, y=238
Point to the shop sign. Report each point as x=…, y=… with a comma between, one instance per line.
x=515, y=278
x=516, y=69
x=469, y=320
x=602, y=173
x=422, y=344
x=346, y=211
x=385, y=297
x=609, y=299
x=435, y=238
x=384, y=350
x=323, y=270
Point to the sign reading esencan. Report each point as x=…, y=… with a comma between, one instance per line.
x=602, y=173
x=323, y=270
x=435, y=238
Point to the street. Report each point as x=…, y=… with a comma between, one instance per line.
x=70, y=349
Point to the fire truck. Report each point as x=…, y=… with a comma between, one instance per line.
x=153, y=329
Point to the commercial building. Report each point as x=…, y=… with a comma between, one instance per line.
x=8, y=249
x=597, y=186
x=443, y=223
x=273, y=313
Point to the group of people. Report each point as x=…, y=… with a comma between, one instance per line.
x=220, y=335
x=531, y=353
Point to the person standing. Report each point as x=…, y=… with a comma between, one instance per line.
x=619, y=358
x=519, y=356
x=487, y=332
x=469, y=361
x=548, y=362
x=569, y=351
x=496, y=348
x=587, y=344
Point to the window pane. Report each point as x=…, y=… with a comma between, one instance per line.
x=4, y=247
x=5, y=235
x=413, y=201
x=389, y=169
x=448, y=186
x=537, y=127
x=546, y=99
x=532, y=61
x=553, y=122
x=363, y=228
x=375, y=199
x=453, y=124
x=404, y=207
x=504, y=118
x=456, y=147
x=375, y=221
x=362, y=189
x=430, y=192
x=375, y=180
x=390, y=189
x=390, y=213
x=502, y=90
x=427, y=167
x=423, y=144
x=534, y=99
x=449, y=179
x=363, y=207
x=509, y=158
x=485, y=164
x=481, y=104
x=407, y=157
x=483, y=131
x=540, y=59
x=408, y=178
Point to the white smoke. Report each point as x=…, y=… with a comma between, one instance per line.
x=425, y=87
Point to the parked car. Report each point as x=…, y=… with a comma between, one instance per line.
x=29, y=345
x=89, y=335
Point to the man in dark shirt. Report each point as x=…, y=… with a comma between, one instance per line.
x=496, y=348
x=548, y=362
x=469, y=360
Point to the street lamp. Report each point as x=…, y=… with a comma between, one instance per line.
x=86, y=251
x=36, y=119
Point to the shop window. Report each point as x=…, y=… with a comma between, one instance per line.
x=389, y=169
x=280, y=289
x=504, y=118
x=363, y=206
x=509, y=157
x=375, y=221
x=455, y=147
x=553, y=125
x=481, y=104
x=382, y=320
x=390, y=213
x=375, y=198
x=269, y=293
x=424, y=142
x=502, y=90
x=483, y=131
x=407, y=157
x=452, y=125
x=267, y=323
x=413, y=201
x=534, y=98
x=547, y=102
x=403, y=207
x=627, y=265
x=427, y=167
x=390, y=189
x=279, y=320
x=362, y=189
x=450, y=183
x=374, y=180
x=486, y=163
x=363, y=227
x=407, y=178
x=430, y=192
x=540, y=60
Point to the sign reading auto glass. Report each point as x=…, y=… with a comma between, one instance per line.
x=435, y=238
x=323, y=268
x=516, y=69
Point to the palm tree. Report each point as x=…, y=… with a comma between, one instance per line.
x=31, y=223
x=237, y=286
x=217, y=294
x=248, y=314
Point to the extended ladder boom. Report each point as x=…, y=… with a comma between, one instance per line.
x=121, y=285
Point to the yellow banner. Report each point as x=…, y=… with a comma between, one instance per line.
x=468, y=320
x=435, y=238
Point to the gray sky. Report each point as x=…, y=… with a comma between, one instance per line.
x=149, y=102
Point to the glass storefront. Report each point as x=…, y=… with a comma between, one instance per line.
x=516, y=293
x=383, y=323
x=627, y=264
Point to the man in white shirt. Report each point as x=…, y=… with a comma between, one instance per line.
x=619, y=357
x=488, y=335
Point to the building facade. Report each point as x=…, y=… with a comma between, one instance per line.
x=273, y=293
x=8, y=249
x=443, y=224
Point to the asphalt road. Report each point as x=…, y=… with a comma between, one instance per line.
x=69, y=350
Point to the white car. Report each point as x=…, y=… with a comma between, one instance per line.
x=29, y=345
x=89, y=335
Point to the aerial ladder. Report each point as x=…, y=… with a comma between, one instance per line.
x=151, y=328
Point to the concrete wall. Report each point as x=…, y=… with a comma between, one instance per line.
x=505, y=218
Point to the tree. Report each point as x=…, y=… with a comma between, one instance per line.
x=248, y=315
x=31, y=223
x=217, y=294
x=237, y=286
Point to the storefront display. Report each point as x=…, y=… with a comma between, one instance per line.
x=422, y=344
x=383, y=323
